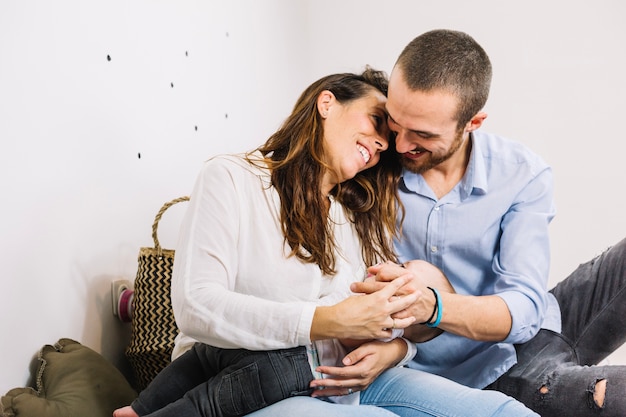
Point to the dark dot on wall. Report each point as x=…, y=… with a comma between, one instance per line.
x=186, y=53
x=226, y=116
x=172, y=85
x=227, y=34
x=108, y=57
x=196, y=128
x=138, y=155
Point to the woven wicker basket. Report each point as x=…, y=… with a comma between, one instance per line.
x=153, y=324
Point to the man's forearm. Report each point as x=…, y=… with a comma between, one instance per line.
x=484, y=318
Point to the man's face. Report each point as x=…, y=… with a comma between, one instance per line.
x=425, y=125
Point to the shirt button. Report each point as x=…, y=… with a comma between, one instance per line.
x=433, y=248
x=437, y=208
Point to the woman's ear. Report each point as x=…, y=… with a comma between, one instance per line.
x=324, y=102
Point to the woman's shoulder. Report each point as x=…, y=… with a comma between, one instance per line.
x=244, y=171
x=242, y=163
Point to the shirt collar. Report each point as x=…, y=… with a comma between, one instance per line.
x=474, y=180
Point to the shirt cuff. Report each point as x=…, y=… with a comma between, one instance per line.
x=411, y=351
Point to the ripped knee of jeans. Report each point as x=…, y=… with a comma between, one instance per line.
x=596, y=393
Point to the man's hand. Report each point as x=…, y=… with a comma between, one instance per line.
x=422, y=273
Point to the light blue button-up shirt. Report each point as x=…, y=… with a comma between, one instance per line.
x=489, y=235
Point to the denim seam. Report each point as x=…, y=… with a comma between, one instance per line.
x=574, y=344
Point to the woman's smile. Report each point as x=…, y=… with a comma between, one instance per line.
x=364, y=152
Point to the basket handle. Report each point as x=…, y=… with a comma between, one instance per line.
x=158, y=217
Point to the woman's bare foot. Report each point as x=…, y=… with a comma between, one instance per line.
x=125, y=412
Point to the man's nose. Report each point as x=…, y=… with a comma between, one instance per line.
x=402, y=144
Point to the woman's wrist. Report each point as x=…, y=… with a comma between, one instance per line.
x=398, y=351
x=324, y=325
x=411, y=351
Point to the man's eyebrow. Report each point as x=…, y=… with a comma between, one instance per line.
x=421, y=133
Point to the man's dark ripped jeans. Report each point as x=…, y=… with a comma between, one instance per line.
x=208, y=381
x=554, y=375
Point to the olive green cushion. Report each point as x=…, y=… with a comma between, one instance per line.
x=71, y=381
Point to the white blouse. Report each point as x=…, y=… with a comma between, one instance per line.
x=234, y=285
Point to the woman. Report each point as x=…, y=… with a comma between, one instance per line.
x=270, y=244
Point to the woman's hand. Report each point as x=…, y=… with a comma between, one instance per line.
x=422, y=275
x=365, y=316
x=362, y=367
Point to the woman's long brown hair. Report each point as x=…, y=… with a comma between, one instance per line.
x=295, y=157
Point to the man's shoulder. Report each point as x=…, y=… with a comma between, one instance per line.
x=499, y=148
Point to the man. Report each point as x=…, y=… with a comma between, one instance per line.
x=478, y=208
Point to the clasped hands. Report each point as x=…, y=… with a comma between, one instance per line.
x=420, y=276
x=393, y=296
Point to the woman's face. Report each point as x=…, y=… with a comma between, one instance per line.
x=354, y=135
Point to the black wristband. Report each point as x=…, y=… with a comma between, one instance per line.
x=434, y=308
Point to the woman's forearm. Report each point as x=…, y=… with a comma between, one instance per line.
x=325, y=325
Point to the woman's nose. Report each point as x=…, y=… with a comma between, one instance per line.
x=381, y=143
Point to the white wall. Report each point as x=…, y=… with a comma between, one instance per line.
x=78, y=202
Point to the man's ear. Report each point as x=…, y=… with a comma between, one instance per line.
x=476, y=121
x=324, y=102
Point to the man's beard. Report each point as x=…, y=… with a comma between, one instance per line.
x=431, y=160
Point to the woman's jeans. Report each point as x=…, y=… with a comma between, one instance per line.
x=208, y=381
x=408, y=393
x=193, y=385
x=554, y=374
